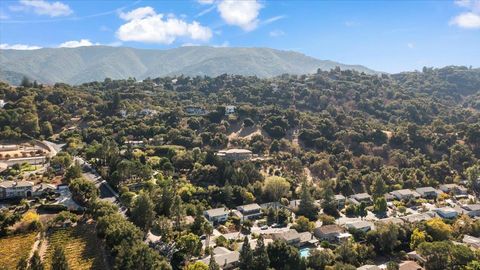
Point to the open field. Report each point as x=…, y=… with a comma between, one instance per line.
x=81, y=245
x=12, y=248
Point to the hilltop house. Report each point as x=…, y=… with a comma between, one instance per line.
x=13, y=189
x=195, y=111
x=230, y=109
x=235, y=154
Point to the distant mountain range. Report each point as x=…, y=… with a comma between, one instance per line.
x=95, y=63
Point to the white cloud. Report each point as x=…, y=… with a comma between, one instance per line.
x=5, y=46
x=206, y=2
x=276, y=33
x=143, y=25
x=77, y=43
x=411, y=45
x=41, y=7
x=138, y=13
x=242, y=13
x=467, y=20
x=470, y=4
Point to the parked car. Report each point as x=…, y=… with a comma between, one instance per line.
x=264, y=227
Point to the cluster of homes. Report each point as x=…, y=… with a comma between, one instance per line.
x=429, y=193
x=340, y=232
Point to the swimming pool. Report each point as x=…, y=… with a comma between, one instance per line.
x=304, y=252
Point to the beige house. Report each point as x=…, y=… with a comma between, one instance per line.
x=13, y=189
x=235, y=154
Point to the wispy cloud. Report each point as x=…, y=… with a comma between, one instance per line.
x=41, y=7
x=410, y=45
x=77, y=43
x=205, y=11
x=274, y=19
x=5, y=46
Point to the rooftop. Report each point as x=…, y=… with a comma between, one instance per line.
x=361, y=196
x=425, y=189
x=328, y=229
x=249, y=207
x=217, y=212
x=10, y=184
x=472, y=207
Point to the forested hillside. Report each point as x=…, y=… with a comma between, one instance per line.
x=409, y=129
x=85, y=64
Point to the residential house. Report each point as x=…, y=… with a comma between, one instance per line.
x=405, y=194
x=360, y=225
x=340, y=199
x=361, y=197
x=455, y=190
x=235, y=154
x=250, y=211
x=225, y=258
x=446, y=212
x=230, y=109
x=471, y=241
x=393, y=220
x=293, y=237
x=427, y=192
x=2, y=103
x=13, y=189
x=195, y=111
x=328, y=233
x=418, y=217
x=473, y=210
x=217, y=215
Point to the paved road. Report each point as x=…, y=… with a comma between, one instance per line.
x=106, y=191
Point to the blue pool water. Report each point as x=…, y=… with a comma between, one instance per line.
x=304, y=252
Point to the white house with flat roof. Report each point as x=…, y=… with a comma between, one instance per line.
x=217, y=215
x=235, y=154
x=250, y=211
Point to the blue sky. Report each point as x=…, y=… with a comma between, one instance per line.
x=389, y=36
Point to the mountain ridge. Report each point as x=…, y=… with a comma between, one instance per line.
x=85, y=64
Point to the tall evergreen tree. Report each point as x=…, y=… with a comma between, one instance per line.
x=260, y=259
x=307, y=206
x=246, y=256
x=59, y=260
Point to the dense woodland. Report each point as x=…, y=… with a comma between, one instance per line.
x=354, y=133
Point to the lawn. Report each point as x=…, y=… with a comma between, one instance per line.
x=82, y=247
x=12, y=248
